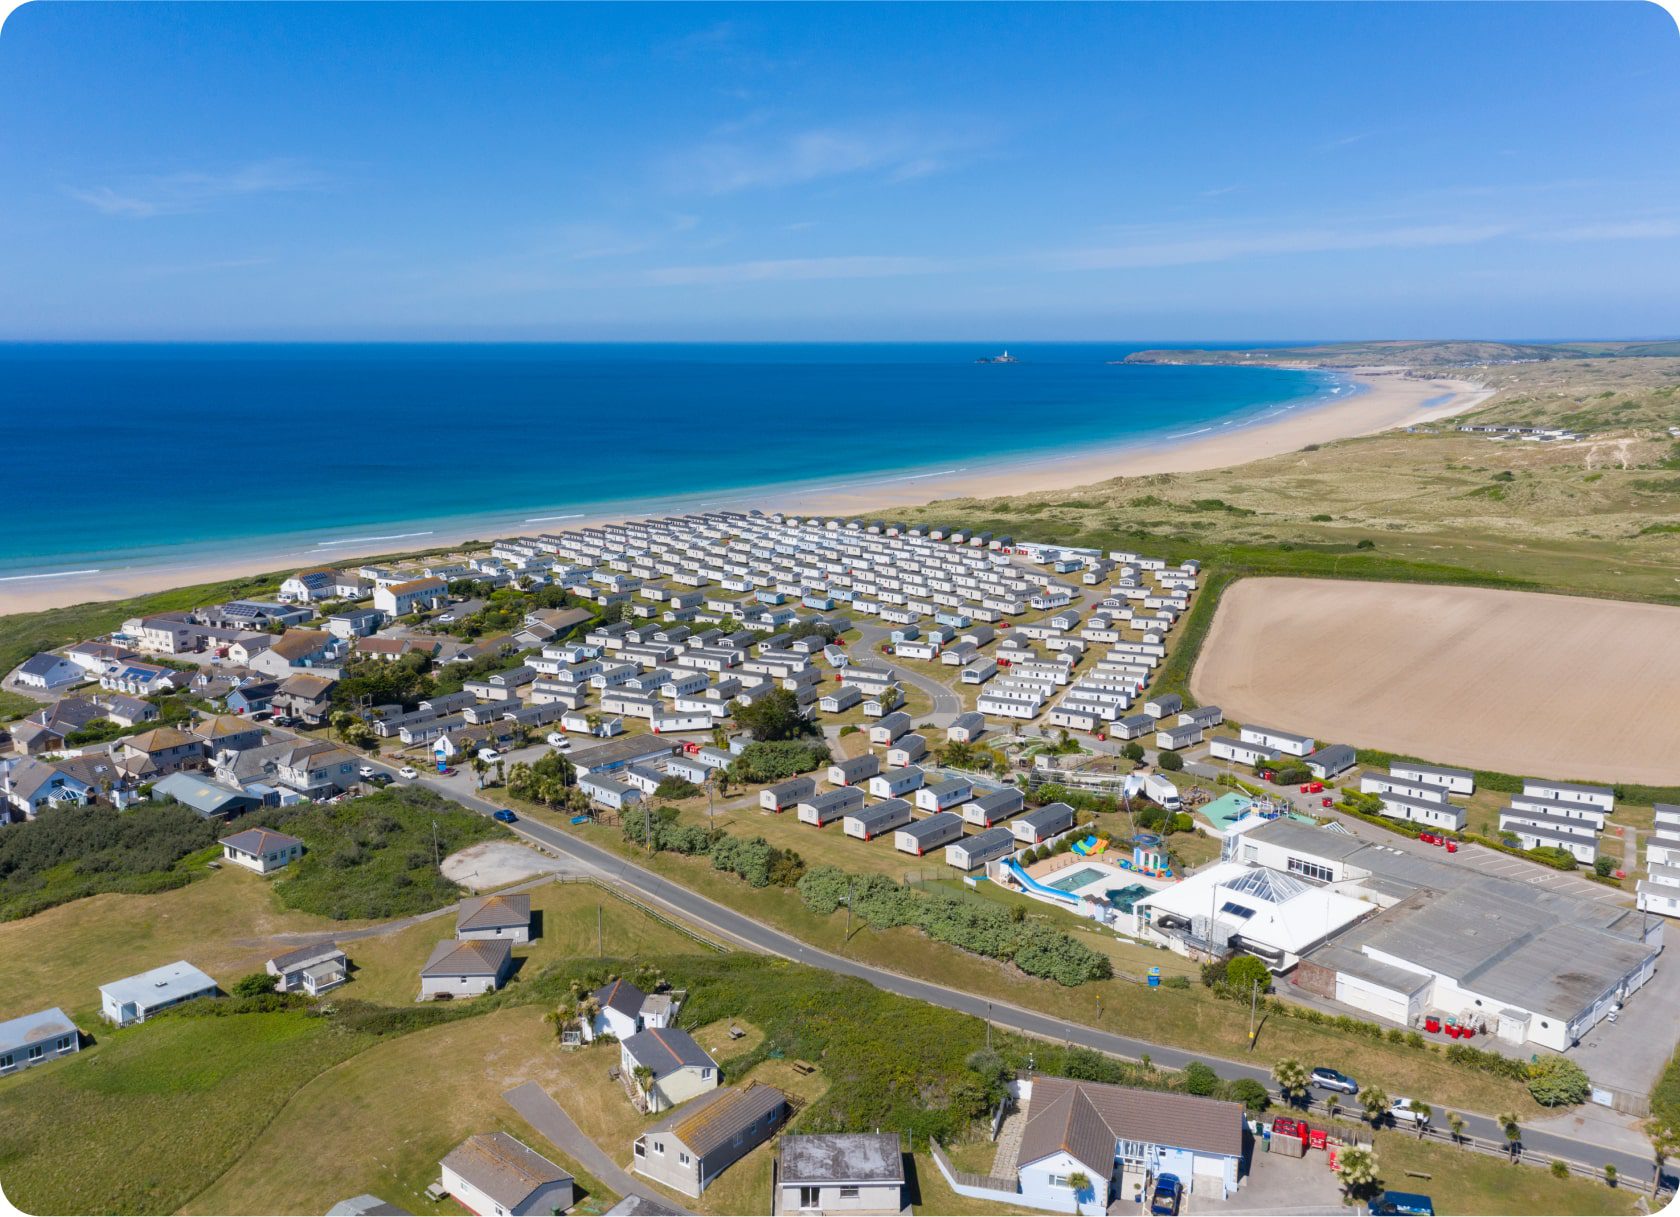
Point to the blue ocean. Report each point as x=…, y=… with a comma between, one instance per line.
x=124, y=455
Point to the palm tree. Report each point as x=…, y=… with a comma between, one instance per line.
x=1507, y=1121
x=1455, y=1124
x=1375, y=1103
x=1421, y=1112
x=1080, y=1182
x=1356, y=1169
x=479, y=765
x=1292, y=1081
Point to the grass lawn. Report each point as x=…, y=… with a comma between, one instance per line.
x=16, y=705
x=929, y=1193
x=395, y=1110
x=1464, y=1182
x=224, y=923
x=388, y=967
x=140, y=1123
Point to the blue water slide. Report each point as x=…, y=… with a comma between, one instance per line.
x=1031, y=884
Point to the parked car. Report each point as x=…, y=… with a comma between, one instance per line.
x=489, y=754
x=559, y=739
x=285, y=720
x=505, y=816
x=1167, y=1196
x=1401, y=1111
x=1334, y=1079
x=409, y=771
x=366, y=771
x=380, y=780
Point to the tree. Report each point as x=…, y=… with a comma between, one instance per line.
x=1422, y=1111
x=1507, y=1121
x=774, y=716
x=1356, y=1170
x=1080, y=1182
x=1375, y=1104
x=1292, y=1080
x=253, y=985
x=1251, y=1094
x=1132, y=750
x=1200, y=1079
x=1455, y=1126
x=1171, y=761
x=1555, y=1081
x=1610, y=1174
x=1246, y=971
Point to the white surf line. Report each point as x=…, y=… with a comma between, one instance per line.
x=395, y=536
x=916, y=477
x=575, y=515
x=1188, y=434
x=50, y=574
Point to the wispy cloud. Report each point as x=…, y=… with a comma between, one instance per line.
x=1346, y=141
x=854, y=266
x=1179, y=248
x=1653, y=229
x=894, y=152
x=192, y=191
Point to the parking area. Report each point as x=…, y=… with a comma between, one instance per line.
x=1278, y=1184
x=1492, y=862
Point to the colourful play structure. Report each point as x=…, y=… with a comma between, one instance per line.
x=1090, y=846
x=1033, y=885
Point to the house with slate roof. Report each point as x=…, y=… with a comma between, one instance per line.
x=458, y=968
x=495, y=1173
x=506, y=917
x=261, y=849
x=678, y=1068
x=691, y=1147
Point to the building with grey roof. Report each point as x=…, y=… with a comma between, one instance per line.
x=134, y=999
x=690, y=1148
x=841, y=1173
x=677, y=1068
x=33, y=1039
x=496, y=1173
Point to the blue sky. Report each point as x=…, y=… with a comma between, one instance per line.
x=1226, y=172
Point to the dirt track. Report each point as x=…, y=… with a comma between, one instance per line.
x=1547, y=686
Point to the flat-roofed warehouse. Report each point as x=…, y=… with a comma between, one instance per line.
x=1532, y=964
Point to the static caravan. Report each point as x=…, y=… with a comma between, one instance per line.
x=973, y=852
x=786, y=794
x=980, y=671
x=1076, y=717
x=1004, y=706
x=925, y=836
x=1202, y=716
x=841, y=699
x=1133, y=726
x=871, y=822
x=1178, y=736
x=1039, y=826
x=1601, y=797
x=1284, y=741
x=1388, y=783
x=1534, y=836
x=1662, y=848
x=952, y=792
x=1164, y=704
x=1556, y=807
x=854, y=771
x=966, y=727
x=993, y=807
x=825, y=808
x=896, y=782
x=889, y=728
x=1331, y=761
x=1227, y=748
x=907, y=751
x=1426, y=812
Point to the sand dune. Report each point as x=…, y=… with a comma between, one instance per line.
x=1541, y=685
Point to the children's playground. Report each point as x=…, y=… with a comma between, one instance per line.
x=1097, y=877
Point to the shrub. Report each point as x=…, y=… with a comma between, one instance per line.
x=253, y=984
x=777, y=760
x=1250, y=1093
x=1200, y=1079
x=1556, y=1081
x=1182, y=822
x=676, y=788
x=1245, y=971
x=1560, y=1169
x=1602, y=867
x=1171, y=761
x=1132, y=750
x=1176, y=982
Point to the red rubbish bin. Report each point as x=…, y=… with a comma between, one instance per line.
x=1318, y=1138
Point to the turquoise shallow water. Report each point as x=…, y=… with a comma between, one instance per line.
x=125, y=455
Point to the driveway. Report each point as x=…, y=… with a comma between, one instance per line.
x=1276, y=1183
x=550, y=1119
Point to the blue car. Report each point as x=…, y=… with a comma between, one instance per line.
x=1167, y=1196
x=504, y=815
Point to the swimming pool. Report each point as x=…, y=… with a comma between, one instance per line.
x=1123, y=898
x=1079, y=878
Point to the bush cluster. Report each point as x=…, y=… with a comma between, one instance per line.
x=974, y=925
x=777, y=760
x=753, y=859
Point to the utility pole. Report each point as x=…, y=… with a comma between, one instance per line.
x=1253, y=1003
x=988, y=1026
x=437, y=860
x=647, y=825
x=600, y=948
x=850, y=885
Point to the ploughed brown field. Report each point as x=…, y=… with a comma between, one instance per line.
x=1520, y=682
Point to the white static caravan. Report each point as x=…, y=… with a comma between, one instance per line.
x=907, y=751
x=994, y=807
x=952, y=792
x=1284, y=741
x=1379, y=783
x=1534, y=836
x=1423, y=811
x=1579, y=812
x=1007, y=707
x=1076, y=717
x=1601, y=797
x=890, y=728
x=1178, y=737
x=1037, y=827
x=854, y=771
x=679, y=722
x=1662, y=847
x=967, y=727
x=1228, y=748
x=973, y=852
x=823, y=809
x=925, y=836
x=841, y=699
x=870, y=822
x=895, y=783
x=980, y=671
x=786, y=794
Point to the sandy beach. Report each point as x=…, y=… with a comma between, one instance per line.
x=1387, y=399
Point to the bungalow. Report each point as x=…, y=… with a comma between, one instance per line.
x=401, y=599
x=1105, y=1132
x=689, y=1149
x=251, y=698
x=983, y=847
x=141, y=679
x=993, y=807
x=896, y=782
x=786, y=794
x=96, y=657
x=457, y=968
x=607, y=791
x=1039, y=826
x=925, y=836
x=34, y=1038
x=128, y=711
x=840, y=1173
x=853, y=771
x=621, y=1010
x=867, y=823
x=496, y=1173
x=505, y=916
x=48, y=671
x=668, y=1067
x=261, y=849
x=313, y=970
x=30, y=785
x=134, y=999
